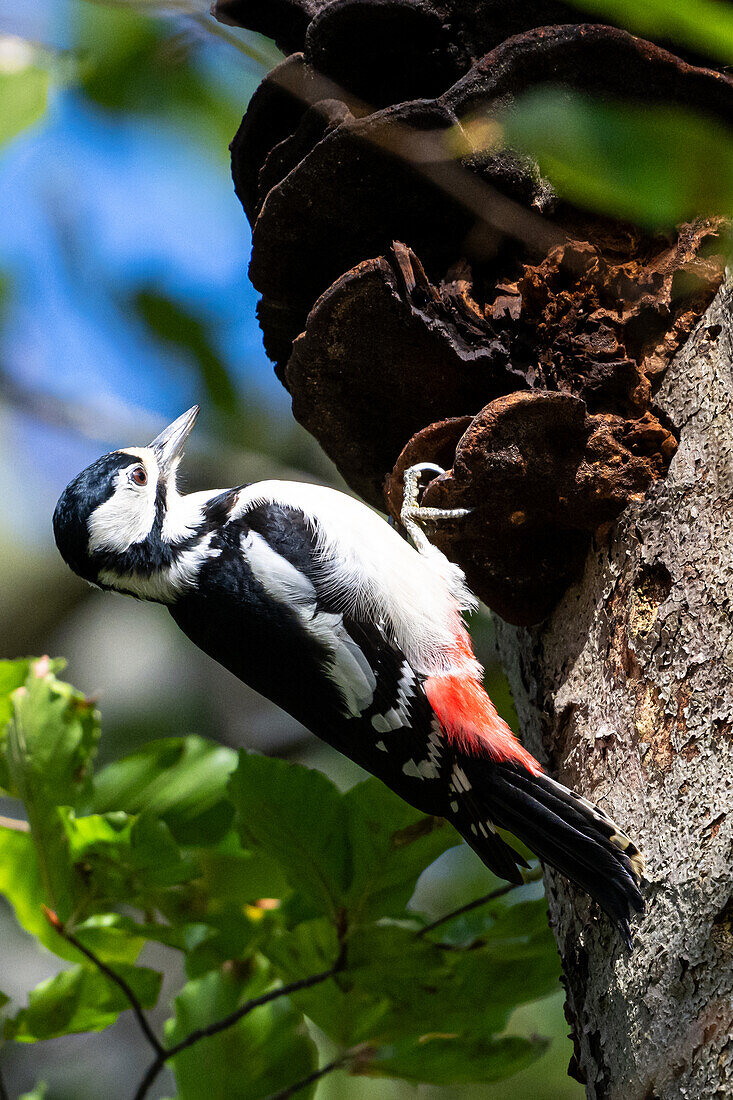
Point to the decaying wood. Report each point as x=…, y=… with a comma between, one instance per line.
x=626, y=692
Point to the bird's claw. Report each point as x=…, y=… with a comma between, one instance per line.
x=412, y=513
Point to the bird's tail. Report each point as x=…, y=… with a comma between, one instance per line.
x=563, y=829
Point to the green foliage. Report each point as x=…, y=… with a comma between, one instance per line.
x=134, y=63
x=180, y=780
x=80, y=999
x=261, y=1054
x=444, y=1059
x=258, y=872
x=24, y=95
x=40, y=1092
x=704, y=25
x=653, y=165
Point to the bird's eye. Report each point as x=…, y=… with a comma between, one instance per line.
x=139, y=475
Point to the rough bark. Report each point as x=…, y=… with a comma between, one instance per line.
x=626, y=693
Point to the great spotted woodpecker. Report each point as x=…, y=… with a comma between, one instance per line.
x=312, y=599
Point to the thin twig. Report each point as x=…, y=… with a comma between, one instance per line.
x=228, y=1021
x=428, y=154
x=120, y=982
x=500, y=892
x=184, y=9
x=291, y=1090
x=210, y=26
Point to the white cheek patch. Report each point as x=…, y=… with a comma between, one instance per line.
x=165, y=585
x=125, y=519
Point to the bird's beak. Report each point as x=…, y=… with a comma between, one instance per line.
x=168, y=446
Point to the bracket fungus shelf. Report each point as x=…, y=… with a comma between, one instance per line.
x=425, y=297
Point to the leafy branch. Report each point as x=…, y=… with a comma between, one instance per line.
x=229, y=1021
x=500, y=892
x=162, y=1053
x=247, y=865
x=113, y=976
x=337, y=1063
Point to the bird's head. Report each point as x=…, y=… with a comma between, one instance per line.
x=117, y=518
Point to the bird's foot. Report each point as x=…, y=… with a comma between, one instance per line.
x=412, y=514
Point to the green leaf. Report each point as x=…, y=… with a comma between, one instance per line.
x=80, y=999
x=391, y=845
x=657, y=166
x=40, y=1092
x=705, y=25
x=310, y=948
x=13, y=674
x=120, y=858
x=97, y=931
x=443, y=1059
x=397, y=985
x=182, y=780
x=22, y=884
x=231, y=875
x=297, y=817
x=52, y=738
x=173, y=326
x=3, y=1000
x=264, y=1052
x=24, y=95
x=222, y=939
x=129, y=67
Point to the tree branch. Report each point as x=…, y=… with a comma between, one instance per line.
x=533, y=876
x=120, y=982
x=228, y=1021
x=317, y=1074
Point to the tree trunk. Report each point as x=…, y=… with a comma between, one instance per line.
x=625, y=692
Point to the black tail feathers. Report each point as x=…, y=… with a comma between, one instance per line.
x=564, y=830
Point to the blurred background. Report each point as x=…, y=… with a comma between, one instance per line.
x=124, y=299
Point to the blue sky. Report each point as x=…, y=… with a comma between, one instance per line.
x=94, y=206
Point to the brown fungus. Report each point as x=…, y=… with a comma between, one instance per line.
x=513, y=339
x=447, y=349
x=429, y=353
x=540, y=474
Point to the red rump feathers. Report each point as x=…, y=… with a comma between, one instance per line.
x=469, y=719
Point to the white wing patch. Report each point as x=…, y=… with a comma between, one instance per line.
x=430, y=767
x=398, y=716
x=349, y=669
x=369, y=571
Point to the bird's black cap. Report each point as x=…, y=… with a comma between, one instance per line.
x=79, y=499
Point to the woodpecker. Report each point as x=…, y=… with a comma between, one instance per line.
x=315, y=601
